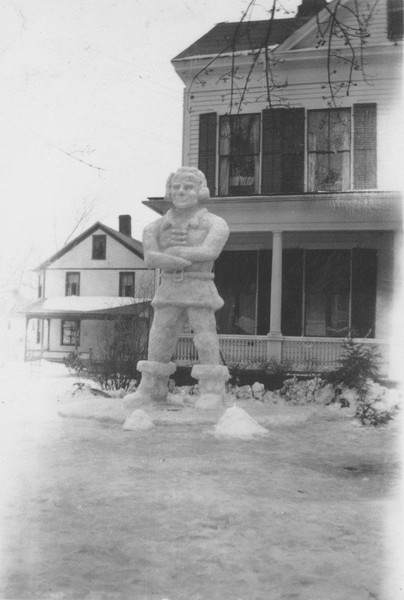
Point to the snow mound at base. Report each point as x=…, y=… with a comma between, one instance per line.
x=237, y=423
x=138, y=421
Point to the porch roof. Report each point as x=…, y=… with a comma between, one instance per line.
x=86, y=307
x=373, y=210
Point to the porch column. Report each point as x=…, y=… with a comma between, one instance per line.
x=274, y=344
x=276, y=286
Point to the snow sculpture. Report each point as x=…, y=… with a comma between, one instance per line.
x=183, y=244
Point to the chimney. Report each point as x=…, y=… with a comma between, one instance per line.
x=309, y=8
x=125, y=225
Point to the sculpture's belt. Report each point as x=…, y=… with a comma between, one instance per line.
x=179, y=275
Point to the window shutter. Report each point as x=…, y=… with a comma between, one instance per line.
x=395, y=9
x=282, y=151
x=207, y=148
x=365, y=165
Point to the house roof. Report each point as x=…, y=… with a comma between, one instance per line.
x=85, y=307
x=130, y=243
x=238, y=37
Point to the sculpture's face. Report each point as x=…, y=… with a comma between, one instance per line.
x=184, y=191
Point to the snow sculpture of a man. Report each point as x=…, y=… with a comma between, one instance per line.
x=184, y=244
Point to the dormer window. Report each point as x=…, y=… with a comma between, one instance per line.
x=99, y=247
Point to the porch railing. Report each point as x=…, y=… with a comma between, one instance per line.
x=303, y=354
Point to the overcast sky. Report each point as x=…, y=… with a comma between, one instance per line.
x=90, y=111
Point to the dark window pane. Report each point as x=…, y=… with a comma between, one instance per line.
x=292, y=291
x=327, y=292
x=236, y=281
x=364, y=273
x=99, y=247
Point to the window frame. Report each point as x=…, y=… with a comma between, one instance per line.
x=99, y=237
x=68, y=273
x=329, y=152
x=255, y=156
x=122, y=274
x=75, y=343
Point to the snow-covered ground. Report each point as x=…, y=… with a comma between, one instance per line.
x=310, y=510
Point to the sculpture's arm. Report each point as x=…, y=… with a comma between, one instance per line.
x=154, y=258
x=210, y=248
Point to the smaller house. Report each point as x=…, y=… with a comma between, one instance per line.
x=93, y=287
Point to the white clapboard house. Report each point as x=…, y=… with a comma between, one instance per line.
x=96, y=280
x=308, y=185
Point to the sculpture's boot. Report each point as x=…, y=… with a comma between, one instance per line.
x=211, y=383
x=153, y=387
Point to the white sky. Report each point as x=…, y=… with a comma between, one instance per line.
x=91, y=78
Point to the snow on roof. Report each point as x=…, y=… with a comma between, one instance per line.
x=81, y=304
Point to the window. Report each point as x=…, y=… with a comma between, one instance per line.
x=70, y=333
x=127, y=284
x=243, y=279
x=329, y=293
x=40, y=285
x=72, y=284
x=329, y=150
x=99, y=247
x=239, y=147
x=395, y=19
x=339, y=146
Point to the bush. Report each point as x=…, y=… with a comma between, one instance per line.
x=74, y=363
x=358, y=363
x=356, y=385
x=114, y=365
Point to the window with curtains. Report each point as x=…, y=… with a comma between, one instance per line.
x=72, y=287
x=70, y=333
x=329, y=150
x=127, y=284
x=274, y=152
x=239, y=149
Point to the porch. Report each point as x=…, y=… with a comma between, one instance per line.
x=300, y=354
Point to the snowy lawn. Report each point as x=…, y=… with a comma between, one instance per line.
x=308, y=512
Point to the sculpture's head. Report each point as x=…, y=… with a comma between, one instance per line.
x=186, y=187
